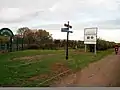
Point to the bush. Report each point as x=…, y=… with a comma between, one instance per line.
x=101, y=45
x=104, y=45
x=91, y=47
x=50, y=46
x=33, y=46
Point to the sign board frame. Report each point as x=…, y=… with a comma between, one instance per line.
x=95, y=42
x=95, y=35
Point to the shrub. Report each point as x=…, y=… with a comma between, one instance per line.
x=33, y=46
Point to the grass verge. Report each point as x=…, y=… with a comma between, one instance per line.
x=30, y=71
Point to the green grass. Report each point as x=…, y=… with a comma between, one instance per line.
x=17, y=72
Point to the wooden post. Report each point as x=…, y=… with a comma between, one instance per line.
x=95, y=49
x=67, y=43
x=85, y=48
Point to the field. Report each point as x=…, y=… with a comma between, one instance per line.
x=34, y=67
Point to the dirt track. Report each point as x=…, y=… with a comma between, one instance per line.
x=105, y=72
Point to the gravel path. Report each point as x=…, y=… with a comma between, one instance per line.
x=105, y=72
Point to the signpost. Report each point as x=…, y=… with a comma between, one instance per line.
x=90, y=37
x=67, y=30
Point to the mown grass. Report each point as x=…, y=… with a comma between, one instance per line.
x=17, y=72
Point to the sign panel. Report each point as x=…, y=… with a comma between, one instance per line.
x=70, y=31
x=90, y=35
x=64, y=29
x=66, y=25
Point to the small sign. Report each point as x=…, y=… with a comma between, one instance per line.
x=64, y=29
x=66, y=25
x=70, y=31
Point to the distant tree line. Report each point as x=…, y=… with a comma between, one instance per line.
x=42, y=39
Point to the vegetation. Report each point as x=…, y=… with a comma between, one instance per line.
x=31, y=67
x=44, y=40
x=41, y=39
x=101, y=45
x=43, y=57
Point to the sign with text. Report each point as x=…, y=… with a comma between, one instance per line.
x=90, y=35
x=64, y=29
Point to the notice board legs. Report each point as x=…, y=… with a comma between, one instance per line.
x=95, y=48
x=85, y=48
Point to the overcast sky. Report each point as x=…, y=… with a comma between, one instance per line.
x=52, y=14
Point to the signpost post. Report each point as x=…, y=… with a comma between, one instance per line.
x=90, y=37
x=67, y=30
x=22, y=42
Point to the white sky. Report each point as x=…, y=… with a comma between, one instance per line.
x=52, y=14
